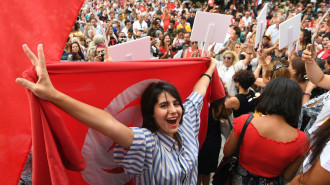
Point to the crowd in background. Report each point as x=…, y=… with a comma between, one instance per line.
x=244, y=70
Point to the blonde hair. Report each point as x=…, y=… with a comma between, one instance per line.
x=232, y=54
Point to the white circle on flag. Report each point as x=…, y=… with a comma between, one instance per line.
x=97, y=150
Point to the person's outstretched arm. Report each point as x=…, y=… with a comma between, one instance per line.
x=91, y=116
x=314, y=73
x=204, y=81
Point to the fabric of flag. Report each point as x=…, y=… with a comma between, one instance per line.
x=210, y=2
x=26, y=22
x=170, y=6
x=257, y=3
x=68, y=152
x=142, y=8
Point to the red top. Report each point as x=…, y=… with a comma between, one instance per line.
x=325, y=54
x=164, y=50
x=266, y=157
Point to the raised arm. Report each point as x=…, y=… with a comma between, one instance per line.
x=314, y=73
x=204, y=81
x=91, y=116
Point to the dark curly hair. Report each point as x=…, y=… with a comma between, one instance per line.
x=245, y=78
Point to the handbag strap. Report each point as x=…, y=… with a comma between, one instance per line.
x=241, y=136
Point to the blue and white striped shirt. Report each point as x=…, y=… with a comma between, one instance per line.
x=155, y=158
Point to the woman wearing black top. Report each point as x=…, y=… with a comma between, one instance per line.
x=242, y=103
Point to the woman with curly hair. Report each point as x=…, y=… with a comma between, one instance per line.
x=240, y=103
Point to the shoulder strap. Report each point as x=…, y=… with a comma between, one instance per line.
x=241, y=136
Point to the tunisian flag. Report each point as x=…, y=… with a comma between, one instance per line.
x=170, y=6
x=142, y=8
x=68, y=152
x=26, y=22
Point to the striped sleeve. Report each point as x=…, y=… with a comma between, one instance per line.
x=193, y=107
x=139, y=156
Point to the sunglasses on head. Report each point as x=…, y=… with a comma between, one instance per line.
x=193, y=42
x=276, y=67
x=227, y=57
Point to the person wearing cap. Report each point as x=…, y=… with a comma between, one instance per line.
x=266, y=41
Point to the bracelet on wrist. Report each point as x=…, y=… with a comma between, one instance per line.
x=207, y=76
x=306, y=93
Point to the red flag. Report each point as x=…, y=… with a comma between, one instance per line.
x=210, y=2
x=170, y=6
x=31, y=22
x=142, y=8
x=62, y=143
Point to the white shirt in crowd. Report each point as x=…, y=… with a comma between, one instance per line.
x=139, y=26
x=274, y=33
x=247, y=20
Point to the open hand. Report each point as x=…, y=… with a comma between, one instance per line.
x=44, y=87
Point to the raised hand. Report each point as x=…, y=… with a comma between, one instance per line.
x=44, y=87
x=307, y=55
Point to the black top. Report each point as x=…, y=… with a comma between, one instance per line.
x=245, y=104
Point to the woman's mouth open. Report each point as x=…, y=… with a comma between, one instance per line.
x=173, y=122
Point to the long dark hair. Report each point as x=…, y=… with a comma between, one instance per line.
x=150, y=98
x=79, y=52
x=319, y=139
x=162, y=42
x=307, y=39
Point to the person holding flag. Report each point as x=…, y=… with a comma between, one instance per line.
x=165, y=150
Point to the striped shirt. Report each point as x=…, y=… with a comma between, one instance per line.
x=155, y=158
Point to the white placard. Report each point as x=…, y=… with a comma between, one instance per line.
x=134, y=50
x=261, y=26
x=178, y=54
x=210, y=27
x=290, y=32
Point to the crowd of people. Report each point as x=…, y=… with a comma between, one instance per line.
x=286, y=92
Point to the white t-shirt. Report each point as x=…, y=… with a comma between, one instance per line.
x=247, y=20
x=139, y=26
x=274, y=33
x=226, y=75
